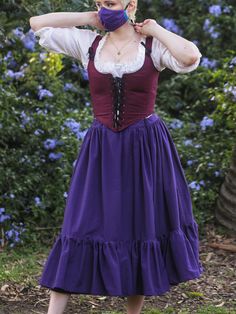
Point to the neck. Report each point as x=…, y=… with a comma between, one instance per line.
x=123, y=32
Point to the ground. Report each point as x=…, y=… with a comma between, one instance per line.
x=213, y=292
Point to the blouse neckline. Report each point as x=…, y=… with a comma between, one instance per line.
x=126, y=67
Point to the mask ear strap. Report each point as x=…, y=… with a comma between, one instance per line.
x=129, y=18
x=126, y=6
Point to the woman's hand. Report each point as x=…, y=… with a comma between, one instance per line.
x=95, y=21
x=146, y=27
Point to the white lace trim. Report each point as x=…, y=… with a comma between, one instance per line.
x=118, y=69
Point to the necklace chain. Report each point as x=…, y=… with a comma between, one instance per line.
x=120, y=49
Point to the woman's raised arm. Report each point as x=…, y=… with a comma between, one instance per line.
x=63, y=19
x=58, y=32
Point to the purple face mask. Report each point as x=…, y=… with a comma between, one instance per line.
x=112, y=19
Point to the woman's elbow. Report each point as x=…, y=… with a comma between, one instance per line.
x=34, y=23
x=193, y=58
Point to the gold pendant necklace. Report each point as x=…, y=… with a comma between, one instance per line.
x=119, y=50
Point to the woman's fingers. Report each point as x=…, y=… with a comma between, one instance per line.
x=138, y=29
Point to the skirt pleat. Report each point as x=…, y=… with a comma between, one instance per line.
x=128, y=224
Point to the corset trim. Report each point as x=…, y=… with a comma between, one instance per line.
x=116, y=89
x=119, y=69
x=118, y=101
x=148, y=50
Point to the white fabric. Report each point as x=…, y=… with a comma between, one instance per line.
x=74, y=42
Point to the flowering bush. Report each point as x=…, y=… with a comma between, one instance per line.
x=45, y=110
x=205, y=130
x=41, y=132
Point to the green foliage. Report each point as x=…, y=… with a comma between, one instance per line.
x=207, y=153
x=20, y=266
x=32, y=185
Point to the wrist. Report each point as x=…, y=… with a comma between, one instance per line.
x=157, y=30
x=91, y=17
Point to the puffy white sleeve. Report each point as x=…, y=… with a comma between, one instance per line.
x=70, y=41
x=162, y=58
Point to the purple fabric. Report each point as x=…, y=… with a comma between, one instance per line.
x=128, y=224
x=112, y=19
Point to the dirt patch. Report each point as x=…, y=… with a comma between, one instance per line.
x=216, y=286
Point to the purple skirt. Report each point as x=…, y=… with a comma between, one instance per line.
x=128, y=225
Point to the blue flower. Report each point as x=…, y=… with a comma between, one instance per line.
x=166, y=2
x=188, y=142
x=4, y=217
x=230, y=89
x=74, y=162
x=81, y=134
x=170, y=25
x=38, y=132
x=13, y=234
x=210, y=29
x=40, y=111
x=17, y=239
x=215, y=10
x=16, y=233
x=226, y=9
x=75, y=67
x=44, y=93
x=176, y=124
x=37, y=200
x=42, y=55
x=55, y=156
x=87, y=103
x=217, y=173
x=205, y=62
x=15, y=75
x=25, y=118
x=206, y=122
x=8, y=56
x=233, y=61
x=202, y=182
x=2, y=210
x=191, y=162
x=194, y=185
x=65, y=194
x=69, y=86
x=84, y=74
x=214, y=34
x=9, y=233
x=72, y=125
x=210, y=164
x=29, y=41
x=50, y=143
x=18, y=32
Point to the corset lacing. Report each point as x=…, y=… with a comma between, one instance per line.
x=118, y=97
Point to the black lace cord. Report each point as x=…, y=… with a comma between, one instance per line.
x=118, y=97
x=91, y=53
x=147, y=50
x=118, y=94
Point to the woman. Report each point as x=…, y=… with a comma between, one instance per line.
x=128, y=227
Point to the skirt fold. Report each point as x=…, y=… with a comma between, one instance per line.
x=128, y=225
x=123, y=268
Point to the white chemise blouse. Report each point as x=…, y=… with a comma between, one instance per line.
x=75, y=42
